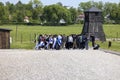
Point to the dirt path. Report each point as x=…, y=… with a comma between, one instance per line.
x=58, y=65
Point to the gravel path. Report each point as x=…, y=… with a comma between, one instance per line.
x=58, y=65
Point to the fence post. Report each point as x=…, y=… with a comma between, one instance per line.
x=30, y=37
x=117, y=36
x=16, y=33
x=21, y=37
x=36, y=38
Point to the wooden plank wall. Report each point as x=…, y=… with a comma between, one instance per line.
x=4, y=40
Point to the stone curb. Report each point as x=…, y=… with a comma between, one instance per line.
x=112, y=52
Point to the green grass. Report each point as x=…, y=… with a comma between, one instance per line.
x=112, y=30
x=28, y=32
x=115, y=46
x=18, y=45
x=24, y=37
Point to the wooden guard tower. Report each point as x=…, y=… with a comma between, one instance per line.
x=4, y=38
x=93, y=24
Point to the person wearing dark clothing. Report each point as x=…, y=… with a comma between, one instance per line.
x=86, y=43
x=97, y=46
x=70, y=42
x=66, y=44
x=74, y=41
x=80, y=41
x=109, y=44
x=39, y=38
x=50, y=42
x=64, y=39
x=93, y=40
x=77, y=41
x=84, y=38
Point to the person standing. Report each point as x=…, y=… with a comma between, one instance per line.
x=109, y=44
x=85, y=41
x=93, y=40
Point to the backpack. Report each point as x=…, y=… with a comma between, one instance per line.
x=80, y=38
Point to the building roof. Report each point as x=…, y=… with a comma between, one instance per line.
x=93, y=9
x=3, y=29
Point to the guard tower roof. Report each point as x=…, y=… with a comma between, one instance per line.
x=3, y=29
x=93, y=9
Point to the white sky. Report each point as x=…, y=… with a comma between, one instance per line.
x=70, y=3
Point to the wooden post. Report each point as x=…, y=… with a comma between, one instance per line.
x=117, y=36
x=30, y=38
x=16, y=33
x=21, y=37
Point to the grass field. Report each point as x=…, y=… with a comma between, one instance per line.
x=23, y=36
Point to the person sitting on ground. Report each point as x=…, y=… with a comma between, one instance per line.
x=96, y=47
x=70, y=42
x=64, y=39
x=54, y=41
x=50, y=41
x=41, y=43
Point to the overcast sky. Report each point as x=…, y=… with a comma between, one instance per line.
x=70, y=3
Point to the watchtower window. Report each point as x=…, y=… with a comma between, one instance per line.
x=96, y=14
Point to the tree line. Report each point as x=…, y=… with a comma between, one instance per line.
x=34, y=12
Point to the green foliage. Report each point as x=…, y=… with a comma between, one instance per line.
x=17, y=12
x=2, y=12
x=37, y=9
x=54, y=13
x=85, y=5
x=73, y=12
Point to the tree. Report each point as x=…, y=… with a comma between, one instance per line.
x=114, y=11
x=54, y=13
x=59, y=3
x=85, y=5
x=2, y=12
x=37, y=9
x=10, y=10
x=73, y=12
x=20, y=11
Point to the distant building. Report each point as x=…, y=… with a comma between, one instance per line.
x=26, y=19
x=80, y=18
x=4, y=38
x=62, y=21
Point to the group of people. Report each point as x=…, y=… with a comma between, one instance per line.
x=57, y=42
